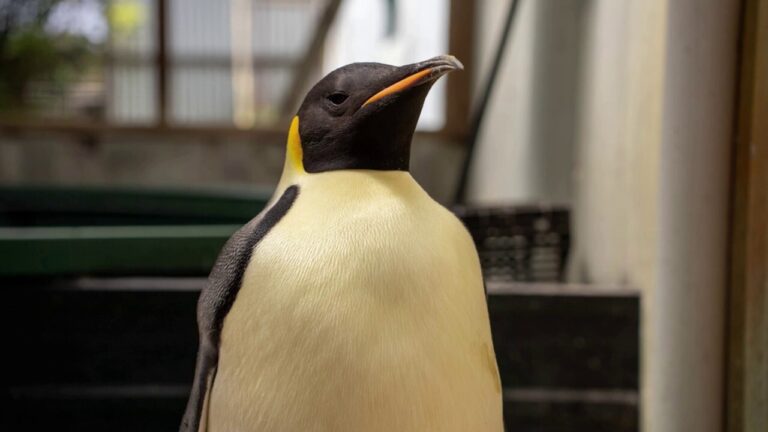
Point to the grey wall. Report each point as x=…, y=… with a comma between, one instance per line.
x=526, y=147
x=182, y=161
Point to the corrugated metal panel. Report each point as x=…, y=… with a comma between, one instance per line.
x=200, y=31
x=282, y=29
x=199, y=28
x=201, y=94
x=131, y=75
x=132, y=89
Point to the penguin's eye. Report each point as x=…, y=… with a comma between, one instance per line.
x=337, y=98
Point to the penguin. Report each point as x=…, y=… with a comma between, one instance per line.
x=354, y=301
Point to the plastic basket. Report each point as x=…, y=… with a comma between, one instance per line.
x=525, y=244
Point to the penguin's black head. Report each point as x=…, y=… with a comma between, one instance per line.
x=363, y=115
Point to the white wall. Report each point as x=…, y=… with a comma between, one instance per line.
x=525, y=149
x=652, y=190
x=651, y=141
x=684, y=351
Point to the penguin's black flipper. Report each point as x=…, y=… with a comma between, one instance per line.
x=217, y=298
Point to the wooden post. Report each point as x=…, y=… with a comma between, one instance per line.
x=461, y=44
x=162, y=62
x=747, y=402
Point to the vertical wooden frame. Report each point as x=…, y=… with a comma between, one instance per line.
x=162, y=62
x=747, y=373
x=459, y=86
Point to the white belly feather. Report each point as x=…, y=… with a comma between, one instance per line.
x=362, y=310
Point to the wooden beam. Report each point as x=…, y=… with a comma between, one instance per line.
x=200, y=60
x=310, y=59
x=162, y=61
x=747, y=401
x=461, y=42
x=259, y=135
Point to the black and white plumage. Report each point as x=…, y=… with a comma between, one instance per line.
x=354, y=302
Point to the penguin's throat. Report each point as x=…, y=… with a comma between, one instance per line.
x=294, y=153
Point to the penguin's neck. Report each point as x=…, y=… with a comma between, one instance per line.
x=295, y=174
x=293, y=168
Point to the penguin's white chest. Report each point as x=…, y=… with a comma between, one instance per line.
x=362, y=310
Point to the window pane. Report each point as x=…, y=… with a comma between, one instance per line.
x=201, y=94
x=132, y=93
x=132, y=72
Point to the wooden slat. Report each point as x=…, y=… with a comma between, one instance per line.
x=260, y=135
x=592, y=396
x=559, y=289
x=163, y=76
x=461, y=44
x=747, y=402
x=188, y=60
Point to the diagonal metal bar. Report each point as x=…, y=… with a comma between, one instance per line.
x=482, y=104
x=309, y=59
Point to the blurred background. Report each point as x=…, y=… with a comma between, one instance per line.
x=608, y=157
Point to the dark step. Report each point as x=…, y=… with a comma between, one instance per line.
x=569, y=417
x=565, y=336
x=159, y=408
x=46, y=409
x=67, y=335
x=125, y=337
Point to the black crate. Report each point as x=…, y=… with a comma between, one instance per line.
x=524, y=244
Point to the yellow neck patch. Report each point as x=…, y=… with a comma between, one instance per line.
x=294, y=153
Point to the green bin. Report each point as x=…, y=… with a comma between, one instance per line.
x=103, y=284
x=47, y=231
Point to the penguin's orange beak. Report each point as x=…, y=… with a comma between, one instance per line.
x=428, y=70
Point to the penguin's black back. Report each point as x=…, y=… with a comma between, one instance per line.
x=219, y=294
